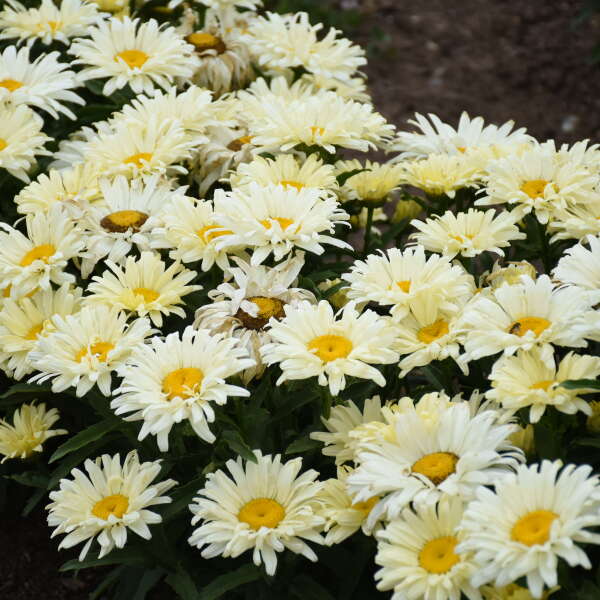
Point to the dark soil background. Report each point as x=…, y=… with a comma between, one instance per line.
x=514, y=59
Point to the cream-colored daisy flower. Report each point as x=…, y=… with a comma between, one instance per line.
x=575, y=222
x=531, y=313
x=580, y=266
x=373, y=184
x=30, y=429
x=263, y=506
x=511, y=274
x=129, y=52
x=84, y=349
x=141, y=287
x=354, y=88
x=243, y=307
x=312, y=341
x=176, y=379
x=21, y=139
x=23, y=322
x=534, y=517
x=525, y=380
x=107, y=502
x=286, y=170
x=130, y=214
x=426, y=460
x=468, y=233
x=277, y=220
x=418, y=556
x=401, y=279
x=512, y=591
x=44, y=83
x=226, y=12
x=40, y=257
x=48, y=22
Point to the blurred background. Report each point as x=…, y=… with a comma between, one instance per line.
x=534, y=61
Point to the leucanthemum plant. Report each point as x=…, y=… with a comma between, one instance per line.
x=231, y=341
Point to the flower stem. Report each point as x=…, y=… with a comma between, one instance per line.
x=368, y=227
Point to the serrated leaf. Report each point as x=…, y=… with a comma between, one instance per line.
x=236, y=443
x=304, y=444
x=88, y=435
x=575, y=384
x=218, y=587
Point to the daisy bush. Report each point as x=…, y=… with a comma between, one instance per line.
x=258, y=342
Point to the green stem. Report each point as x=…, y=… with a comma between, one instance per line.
x=368, y=227
x=544, y=246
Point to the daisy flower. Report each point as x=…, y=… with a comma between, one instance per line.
x=425, y=461
x=526, y=380
x=48, y=22
x=225, y=11
x=172, y=380
x=512, y=591
x=531, y=313
x=468, y=233
x=35, y=260
x=31, y=428
x=128, y=52
x=21, y=138
x=511, y=274
x=342, y=421
x=263, y=506
x=145, y=287
x=277, y=220
x=402, y=279
x=580, y=266
x=311, y=341
x=129, y=215
x=243, y=307
x=373, y=184
x=23, y=322
x=109, y=500
x=533, y=518
x=433, y=136
x=418, y=555
x=575, y=222
x=85, y=348
x=286, y=170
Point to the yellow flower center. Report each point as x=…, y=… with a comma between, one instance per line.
x=533, y=528
x=54, y=25
x=262, y=512
x=137, y=159
x=433, y=332
x=3, y=144
x=133, y=58
x=34, y=332
x=99, y=349
x=123, y=220
x=206, y=41
x=146, y=293
x=404, y=285
x=536, y=324
x=237, y=144
x=42, y=252
x=438, y=556
x=330, y=347
x=315, y=130
x=436, y=467
x=116, y=505
x=367, y=506
x=6, y=291
x=542, y=385
x=267, y=308
x=283, y=222
x=534, y=188
x=182, y=383
x=291, y=183
x=461, y=149
x=206, y=234
x=10, y=84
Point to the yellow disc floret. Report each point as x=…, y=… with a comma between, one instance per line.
x=133, y=58
x=42, y=252
x=433, y=332
x=330, y=347
x=182, y=383
x=438, y=556
x=536, y=324
x=116, y=505
x=533, y=528
x=436, y=466
x=262, y=512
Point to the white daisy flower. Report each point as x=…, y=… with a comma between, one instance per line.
x=533, y=518
x=426, y=460
x=468, y=233
x=145, y=287
x=35, y=260
x=312, y=341
x=85, y=348
x=532, y=313
x=48, y=22
x=243, y=308
x=128, y=52
x=130, y=214
x=373, y=184
x=418, y=556
x=277, y=220
x=265, y=507
x=30, y=429
x=576, y=222
x=511, y=274
x=402, y=279
x=107, y=502
x=437, y=137
x=580, y=266
x=21, y=139
x=23, y=322
x=526, y=380
x=225, y=11
x=172, y=380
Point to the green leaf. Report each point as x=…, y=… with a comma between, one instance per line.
x=593, y=442
x=125, y=556
x=91, y=434
x=148, y=580
x=236, y=443
x=343, y=177
x=26, y=388
x=107, y=582
x=183, y=584
x=218, y=587
x=29, y=478
x=34, y=499
x=182, y=496
x=305, y=588
x=304, y=444
x=575, y=384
